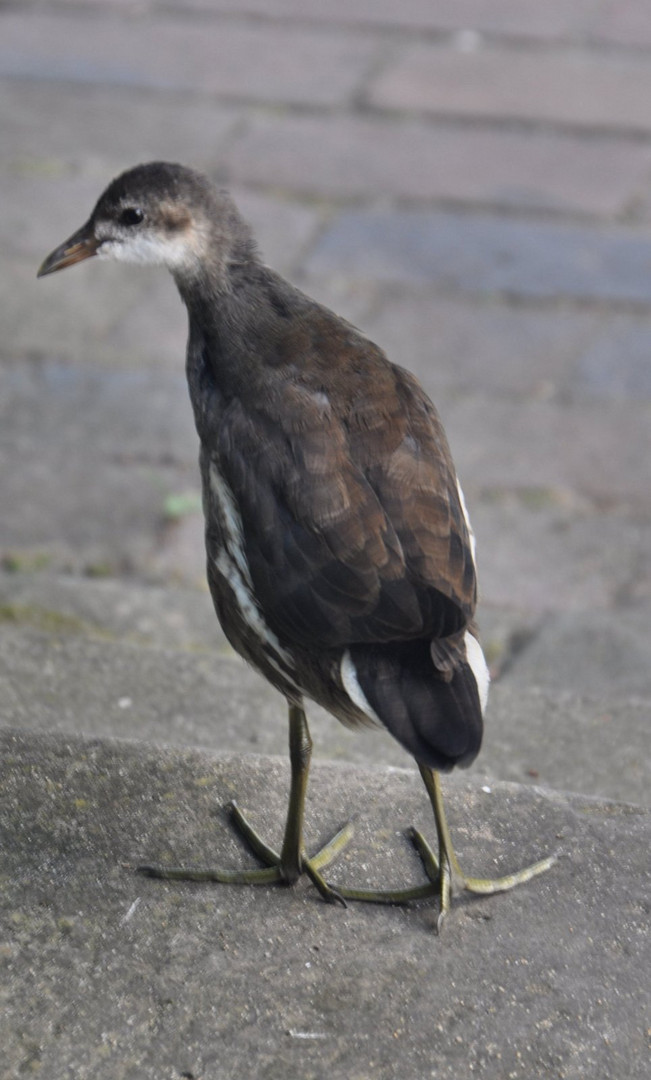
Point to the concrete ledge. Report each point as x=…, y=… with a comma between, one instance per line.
x=110, y=975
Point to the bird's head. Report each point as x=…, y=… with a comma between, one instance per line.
x=158, y=213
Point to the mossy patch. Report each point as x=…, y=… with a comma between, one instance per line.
x=52, y=622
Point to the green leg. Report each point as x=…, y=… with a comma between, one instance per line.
x=450, y=876
x=292, y=861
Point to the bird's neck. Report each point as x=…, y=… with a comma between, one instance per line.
x=213, y=279
x=229, y=324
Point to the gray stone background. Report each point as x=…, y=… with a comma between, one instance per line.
x=469, y=181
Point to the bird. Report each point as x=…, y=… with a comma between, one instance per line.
x=340, y=555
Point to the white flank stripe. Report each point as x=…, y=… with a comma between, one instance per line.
x=478, y=666
x=232, y=565
x=462, y=500
x=232, y=522
x=354, y=690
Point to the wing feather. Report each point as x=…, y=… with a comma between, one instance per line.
x=351, y=518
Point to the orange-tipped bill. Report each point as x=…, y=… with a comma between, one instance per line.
x=81, y=245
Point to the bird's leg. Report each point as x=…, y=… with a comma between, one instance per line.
x=449, y=874
x=293, y=860
x=288, y=865
x=292, y=854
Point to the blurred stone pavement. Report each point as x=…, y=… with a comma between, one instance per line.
x=469, y=182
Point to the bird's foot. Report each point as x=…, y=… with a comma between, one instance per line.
x=445, y=877
x=274, y=872
x=446, y=873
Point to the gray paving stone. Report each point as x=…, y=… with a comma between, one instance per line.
x=615, y=365
x=622, y=22
x=576, y=451
x=108, y=974
x=283, y=228
x=267, y=63
x=354, y=157
x=73, y=316
x=149, y=330
x=102, y=408
x=163, y=618
x=582, y=742
x=54, y=129
x=640, y=212
x=527, y=17
x=43, y=209
x=95, y=453
x=478, y=253
x=482, y=345
x=603, y=653
x=539, y=553
x=575, y=87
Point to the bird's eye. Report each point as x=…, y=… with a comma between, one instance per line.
x=133, y=215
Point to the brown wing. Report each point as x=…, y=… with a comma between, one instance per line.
x=351, y=518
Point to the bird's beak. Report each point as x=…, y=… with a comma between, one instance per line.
x=81, y=245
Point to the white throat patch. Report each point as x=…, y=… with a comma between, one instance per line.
x=174, y=252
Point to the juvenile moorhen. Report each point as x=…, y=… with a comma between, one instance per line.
x=340, y=555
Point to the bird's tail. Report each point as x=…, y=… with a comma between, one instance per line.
x=436, y=716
